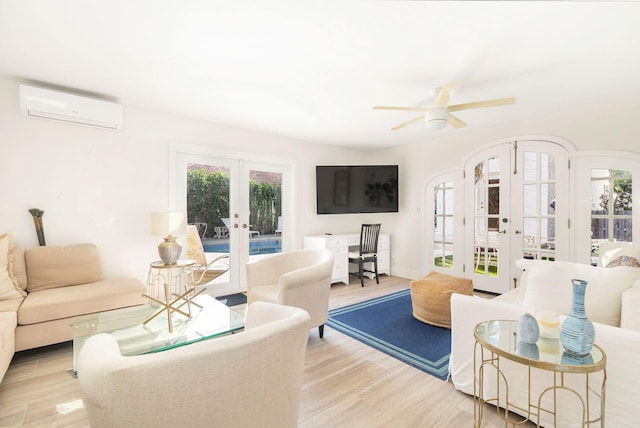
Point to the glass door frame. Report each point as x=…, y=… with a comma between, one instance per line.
x=497, y=240
x=510, y=237
x=239, y=164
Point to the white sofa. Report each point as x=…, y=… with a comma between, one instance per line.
x=613, y=305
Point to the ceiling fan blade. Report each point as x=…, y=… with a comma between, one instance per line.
x=442, y=99
x=400, y=108
x=455, y=121
x=481, y=104
x=408, y=122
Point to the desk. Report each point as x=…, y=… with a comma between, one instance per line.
x=575, y=384
x=341, y=243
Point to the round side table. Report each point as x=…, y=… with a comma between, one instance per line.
x=497, y=341
x=178, y=276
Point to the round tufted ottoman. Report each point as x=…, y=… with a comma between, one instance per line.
x=431, y=297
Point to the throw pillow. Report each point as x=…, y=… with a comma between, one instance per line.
x=8, y=288
x=549, y=287
x=610, y=250
x=624, y=261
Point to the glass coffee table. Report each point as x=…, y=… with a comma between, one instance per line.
x=126, y=325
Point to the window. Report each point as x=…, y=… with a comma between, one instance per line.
x=443, y=225
x=611, y=207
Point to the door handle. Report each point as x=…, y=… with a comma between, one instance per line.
x=502, y=231
x=244, y=226
x=518, y=232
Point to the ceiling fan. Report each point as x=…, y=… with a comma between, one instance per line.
x=439, y=115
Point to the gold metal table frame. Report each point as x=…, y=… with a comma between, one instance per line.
x=178, y=276
x=497, y=340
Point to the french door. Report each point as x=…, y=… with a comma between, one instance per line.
x=517, y=206
x=242, y=213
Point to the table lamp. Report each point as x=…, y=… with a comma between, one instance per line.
x=166, y=224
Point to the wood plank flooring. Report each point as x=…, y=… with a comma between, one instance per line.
x=346, y=383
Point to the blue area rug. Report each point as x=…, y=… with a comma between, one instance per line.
x=387, y=324
x=233, y=299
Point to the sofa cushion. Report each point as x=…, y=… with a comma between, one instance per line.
x=65, y=302
x=51, y=267
x=548, y=286
x=610, y=251
x=19, y=267
x=8, y=286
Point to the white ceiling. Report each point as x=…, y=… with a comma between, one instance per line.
x=313, y=70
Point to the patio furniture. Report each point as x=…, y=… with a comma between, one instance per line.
x=204, y=271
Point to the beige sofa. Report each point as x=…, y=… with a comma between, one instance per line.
x=52, y=286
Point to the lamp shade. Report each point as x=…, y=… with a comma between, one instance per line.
x=168, y=223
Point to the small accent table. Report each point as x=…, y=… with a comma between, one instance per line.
x=497, y=340
x=178, y=276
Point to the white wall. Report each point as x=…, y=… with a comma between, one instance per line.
x=100, y=186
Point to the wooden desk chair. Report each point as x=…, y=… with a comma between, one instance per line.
x=368, y=251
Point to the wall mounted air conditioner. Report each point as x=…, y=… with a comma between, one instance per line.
x=60, y=106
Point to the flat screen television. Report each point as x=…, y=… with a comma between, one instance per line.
x=357, y=189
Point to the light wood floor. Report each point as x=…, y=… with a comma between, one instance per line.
x=346, y=383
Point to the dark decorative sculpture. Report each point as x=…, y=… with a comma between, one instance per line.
x=37, y=221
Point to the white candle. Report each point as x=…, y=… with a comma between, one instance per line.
x=549, y=323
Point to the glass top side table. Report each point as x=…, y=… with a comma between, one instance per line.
x=497, y=339
x=178, y=276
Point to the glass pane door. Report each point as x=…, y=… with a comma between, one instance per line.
x=243, y=209
x=538, y=234
x=206, y=186
x=540, y=206
x=443, y=231
x=488, y=184
x=266, y=221
x=520, y=194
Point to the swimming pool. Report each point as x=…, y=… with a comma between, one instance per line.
x=268, y=246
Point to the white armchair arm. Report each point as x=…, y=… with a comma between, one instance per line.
x=466, y=313
x=630, y=308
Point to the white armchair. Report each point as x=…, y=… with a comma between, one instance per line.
x=300, y=278
x=248, y=379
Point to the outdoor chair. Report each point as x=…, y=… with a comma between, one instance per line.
x=204, y=271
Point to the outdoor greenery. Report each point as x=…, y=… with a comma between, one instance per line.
x=208, y=201
x=622, y=189
x=447, y=262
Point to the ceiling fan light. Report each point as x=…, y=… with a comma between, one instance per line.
x=436, y=119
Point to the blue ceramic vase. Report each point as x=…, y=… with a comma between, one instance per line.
x=577, y=333
x=528, y=330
